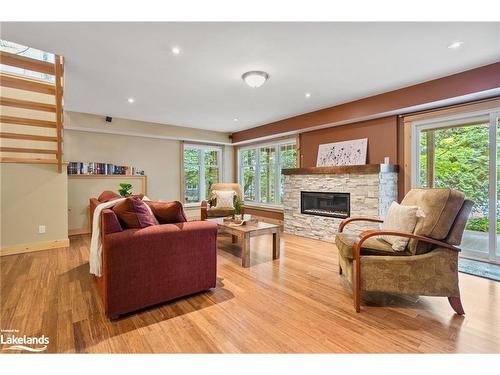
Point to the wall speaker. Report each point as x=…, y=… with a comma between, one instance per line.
x=109, y=118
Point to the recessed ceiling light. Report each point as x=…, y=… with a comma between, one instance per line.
x=131, y=100
x=455, y=45
x=255, y=78
x=235, y=119
x=308, y=94
x=176, y=50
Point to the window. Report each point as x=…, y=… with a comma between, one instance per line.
x=260, y=171
x=462, y=152
x=202, y=168
x=18, y=49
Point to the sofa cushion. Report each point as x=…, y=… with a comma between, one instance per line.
x=133, y=213
x=372, y=246
x=168, y=212
x=107, y=196
x=441, y=207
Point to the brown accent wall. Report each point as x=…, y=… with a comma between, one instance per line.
x=381, y=134
x=469, y=82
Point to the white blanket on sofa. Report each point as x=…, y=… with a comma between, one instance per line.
x=95, y=258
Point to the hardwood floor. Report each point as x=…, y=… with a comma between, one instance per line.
x=296, y=304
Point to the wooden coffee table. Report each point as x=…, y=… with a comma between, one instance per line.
x=243, y=233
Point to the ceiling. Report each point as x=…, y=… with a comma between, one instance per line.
x=107, y=63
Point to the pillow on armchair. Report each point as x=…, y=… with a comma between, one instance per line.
x=400, y=218
x=224, y=199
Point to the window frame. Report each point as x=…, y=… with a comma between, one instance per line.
x=201, y=165
x=441, y=122
x=278, y=167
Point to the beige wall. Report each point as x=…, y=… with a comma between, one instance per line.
x=85, y=121
x=32, y=195
x=160, y=158
x=81, y=187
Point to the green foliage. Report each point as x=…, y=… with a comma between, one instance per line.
x=125, y=189
x=193, y=175
x=237, y=206
x=460, y=161
x=480, y=225
x=268, y=167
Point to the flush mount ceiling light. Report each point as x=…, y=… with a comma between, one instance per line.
x=307, y=95
x=130, y=100
x=255, y=78
x=236, y=119
x=455, y=45
x=176, y=50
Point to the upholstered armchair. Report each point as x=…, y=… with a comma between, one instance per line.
x=209, y=209
x=429, y=264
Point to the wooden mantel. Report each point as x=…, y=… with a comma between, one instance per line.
x=367, y=168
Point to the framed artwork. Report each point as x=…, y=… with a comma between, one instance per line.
x=342, y=153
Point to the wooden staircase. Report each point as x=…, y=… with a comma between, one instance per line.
x=31, y=112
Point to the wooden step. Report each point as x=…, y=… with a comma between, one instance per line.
x=21, y=83
x=28, y=160
x=27, y=63
x=27, y=122
x=27, y=104
x=28, y=137
x=28, y=150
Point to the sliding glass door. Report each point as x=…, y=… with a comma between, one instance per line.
x=463, y=152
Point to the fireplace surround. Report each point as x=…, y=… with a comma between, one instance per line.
x=371, y=190
x=327, y=204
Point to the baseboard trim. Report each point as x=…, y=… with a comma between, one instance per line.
x=78, y=231
x=34, y=246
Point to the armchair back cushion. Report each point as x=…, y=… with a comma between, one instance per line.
x=441, y=207
x=458, y=227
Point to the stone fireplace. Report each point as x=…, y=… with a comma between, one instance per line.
x=317, y=199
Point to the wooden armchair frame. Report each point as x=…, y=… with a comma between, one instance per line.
x=204, y=210
x=455, y=302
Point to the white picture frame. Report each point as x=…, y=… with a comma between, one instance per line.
x=342, y=153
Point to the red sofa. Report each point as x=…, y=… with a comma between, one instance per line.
x=145, y=267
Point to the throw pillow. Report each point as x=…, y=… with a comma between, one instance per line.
x=168, y=212
x=107, y=196
x=133, y=213
x=401, y=219
x=225, y=199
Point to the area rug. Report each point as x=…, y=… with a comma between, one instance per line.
x=481, y=269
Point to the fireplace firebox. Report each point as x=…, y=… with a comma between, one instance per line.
x=325, y=204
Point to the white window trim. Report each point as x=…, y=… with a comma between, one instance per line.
x=220, y=165
x=257, y=147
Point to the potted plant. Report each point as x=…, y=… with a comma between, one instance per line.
x=125, y=189
x=237, y=208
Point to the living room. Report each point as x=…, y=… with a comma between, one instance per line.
x=237, y=187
